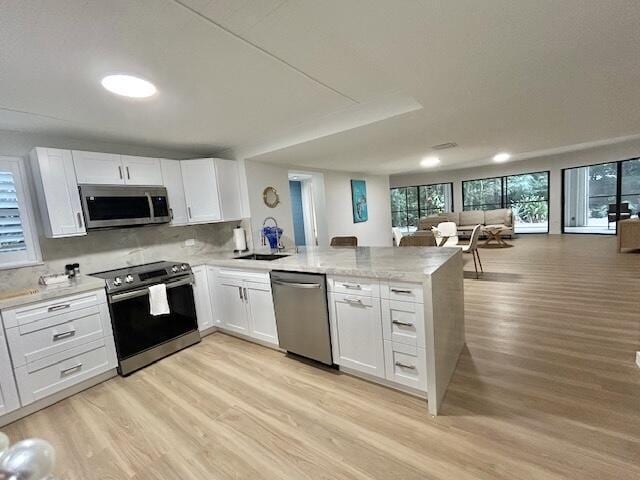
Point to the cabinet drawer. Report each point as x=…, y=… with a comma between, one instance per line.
x=248, y=275
x=403, y=322
x=354, y=286
x=405, y=292
x=405, y=365
x=44, y=310
x=54, y=373
x=37, y=340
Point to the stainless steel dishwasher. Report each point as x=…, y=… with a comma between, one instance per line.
x=302, y=315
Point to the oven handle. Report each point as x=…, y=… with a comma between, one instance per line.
x=119, y=297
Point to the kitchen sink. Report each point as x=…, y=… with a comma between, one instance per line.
x=263, y=256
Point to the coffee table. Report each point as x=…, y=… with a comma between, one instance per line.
x=495, y=234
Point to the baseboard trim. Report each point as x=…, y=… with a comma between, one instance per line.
x=55, y=398
x=385, y=383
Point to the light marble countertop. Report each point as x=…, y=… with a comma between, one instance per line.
x=81, y=283
x=410, y=264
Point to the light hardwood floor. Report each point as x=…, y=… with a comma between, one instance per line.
x=547, y=389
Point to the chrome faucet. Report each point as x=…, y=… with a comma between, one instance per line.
x=263, y=237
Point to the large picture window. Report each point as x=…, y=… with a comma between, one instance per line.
x=409, y=204
x=526, y=194
x=597, y=196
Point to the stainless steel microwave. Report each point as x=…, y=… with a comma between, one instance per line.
x=110, y=206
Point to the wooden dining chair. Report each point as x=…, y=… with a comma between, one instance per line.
x=344, y=242
x=418, y=241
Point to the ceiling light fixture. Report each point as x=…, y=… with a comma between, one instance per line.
x=501, y=157
x=128, y=86
x=428, y=162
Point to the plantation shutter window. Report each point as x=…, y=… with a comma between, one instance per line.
x=18, y=240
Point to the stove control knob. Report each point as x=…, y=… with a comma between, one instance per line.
x=117, y=281
x=128, y=278
x=184, y=266
x=174, y=269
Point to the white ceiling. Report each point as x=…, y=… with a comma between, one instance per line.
x=362, y=85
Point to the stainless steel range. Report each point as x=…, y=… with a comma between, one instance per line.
x=140, y=337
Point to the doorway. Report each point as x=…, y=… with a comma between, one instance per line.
x=306, y=190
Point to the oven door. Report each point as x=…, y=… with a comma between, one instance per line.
x=142, y=338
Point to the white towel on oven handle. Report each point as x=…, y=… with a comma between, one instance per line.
x=158, y=302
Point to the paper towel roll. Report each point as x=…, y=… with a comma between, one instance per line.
x=239, y=239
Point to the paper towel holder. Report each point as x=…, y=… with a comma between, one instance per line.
x=246, y=249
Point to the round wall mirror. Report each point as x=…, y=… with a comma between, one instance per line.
x=271, y=197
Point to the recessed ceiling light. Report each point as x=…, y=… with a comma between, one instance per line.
x=428, y=162
x=501, y=157
x=128, y=86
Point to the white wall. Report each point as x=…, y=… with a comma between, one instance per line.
x=262, y=175
x=375, y=232
x=552, y=163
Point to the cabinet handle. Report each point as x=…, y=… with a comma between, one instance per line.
x=355, y=301
x=404, y=324
x=60, y=336
x=128, y=174
x=54, y=308
x=120, y=171
x=399, y=290
x=69, y=370
x=246, y=297
x=189, y=210
x=171, y=213
x=240, y=293
x=404, y=365
x=79, y=215
x=351, y=286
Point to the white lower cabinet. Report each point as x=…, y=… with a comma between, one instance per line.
x=262, y=318
x=8, y=391
x=406, y=365
x=358, y=324
x=230, y=304
x=58, y=343
x=243, y=304
x=377, y=328
x=201, y=297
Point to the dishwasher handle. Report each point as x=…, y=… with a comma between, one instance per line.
x=296, y=285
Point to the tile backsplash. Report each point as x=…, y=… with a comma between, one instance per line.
x=108, y=249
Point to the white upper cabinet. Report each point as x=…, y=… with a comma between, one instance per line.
x=98, y=168
x=57, y=192
x=141, y=170
x=229, y=189
x=172, y=180
x=201, y=190
x=112, y=169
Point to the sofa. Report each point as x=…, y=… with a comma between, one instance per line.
x=502, y=217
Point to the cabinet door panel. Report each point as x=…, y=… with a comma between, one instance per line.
x=201, y=190
x=142, y=170
x=230, y=304
x=262, y=318
x=57, y=191
x=8, y=391
x=98, y=168
x=172, y=180
x=359, y=333
x=229, y=189
x=202, y=299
